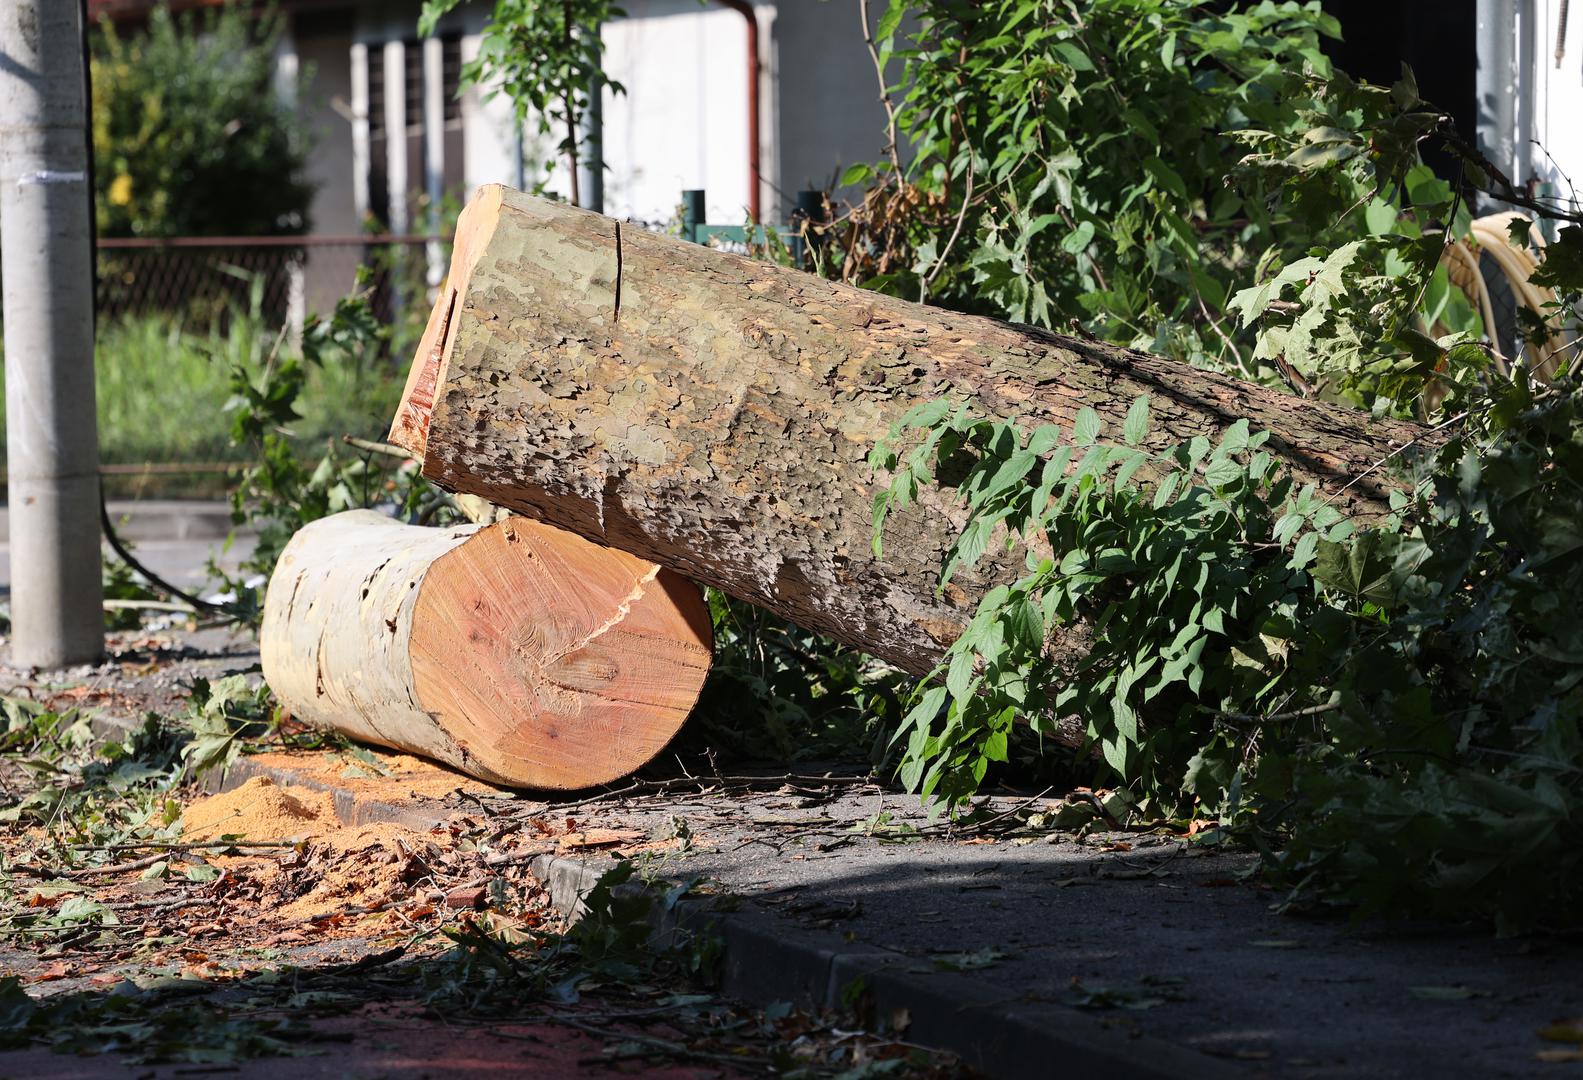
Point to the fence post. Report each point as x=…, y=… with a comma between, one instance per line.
x=52, y=437
x=692, y=214
x=434, y=152
x=809, y=212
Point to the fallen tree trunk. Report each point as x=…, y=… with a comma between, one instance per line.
x=715, y=414
x=516, y=652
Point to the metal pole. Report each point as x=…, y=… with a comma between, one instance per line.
x=52, y=439
x=692, y=214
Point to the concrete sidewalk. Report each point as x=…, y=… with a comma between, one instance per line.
x=1044, y=953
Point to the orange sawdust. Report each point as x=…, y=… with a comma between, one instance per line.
x=397, y=777
x=358, y=870
x=338, y=877
x=261, y=810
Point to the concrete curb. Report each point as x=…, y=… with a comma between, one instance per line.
x=171, y=519
x=350, y=808
x=766, y=959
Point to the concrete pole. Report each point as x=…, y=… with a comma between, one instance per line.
x=288, y=71
x=52, y=439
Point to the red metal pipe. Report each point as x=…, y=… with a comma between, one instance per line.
x=745, y=9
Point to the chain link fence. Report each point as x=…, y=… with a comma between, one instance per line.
x=280, y=279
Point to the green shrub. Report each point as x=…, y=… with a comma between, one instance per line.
x=189, y=137
x=1391, y=715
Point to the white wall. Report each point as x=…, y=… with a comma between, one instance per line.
x=830, y=112
x=1556, y=95
x=1530, y=109
x=683, y=121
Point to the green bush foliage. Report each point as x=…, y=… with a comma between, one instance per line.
x=189, y=137
x=296, y=475
x=1391, y=714
x=1123, y=165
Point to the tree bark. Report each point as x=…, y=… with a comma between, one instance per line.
x=714, y=414
x=518, y=653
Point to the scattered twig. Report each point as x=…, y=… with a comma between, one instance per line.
x=372, y=447
x=155, y=907
x=1291, y=714
x=120, y=868
x=884, y=90
x=1501, y=186
x=149, y=605
x=956, y=231
x=186, y=845
x=364, y=963
x=655, y=787
x=983, y=826
x=1402, y=449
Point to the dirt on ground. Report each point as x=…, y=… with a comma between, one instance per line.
x=270, y=927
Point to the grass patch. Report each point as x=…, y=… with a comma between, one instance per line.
x=163, y=385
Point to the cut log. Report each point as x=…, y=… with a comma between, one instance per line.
x=714, y=413
x=515, y=652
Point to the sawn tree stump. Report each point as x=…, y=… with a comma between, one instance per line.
x=516, y=652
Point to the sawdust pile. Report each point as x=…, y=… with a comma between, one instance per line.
x=261, y=810
x=337, y=873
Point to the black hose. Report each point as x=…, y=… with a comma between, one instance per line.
x=126, y=556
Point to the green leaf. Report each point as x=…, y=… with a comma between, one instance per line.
x=1137, y=425
x=1078, y=239
x=1086, y=430
x=1303, y=553
x=1223, y=471
x=1362, y=568
x=1075, y=58
x=856, y=174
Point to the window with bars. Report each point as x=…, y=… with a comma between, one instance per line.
x=412, y=91
x=417, y=148
x=451, y=77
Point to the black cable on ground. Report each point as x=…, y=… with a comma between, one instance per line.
x=125, y=555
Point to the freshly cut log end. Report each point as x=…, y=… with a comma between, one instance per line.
x=515, y=652
x=715, y=414
x=474, y=227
